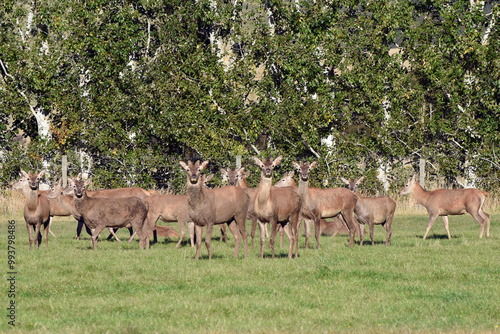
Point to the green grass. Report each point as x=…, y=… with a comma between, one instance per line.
x=415, y=285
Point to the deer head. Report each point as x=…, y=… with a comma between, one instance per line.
x=267, y=165
x=352, y=184
x=304, y=169
x=230, y=176
x=77, y=187
x=194, y=170
x=33, y=179
x=287, y=180
x=410, y=185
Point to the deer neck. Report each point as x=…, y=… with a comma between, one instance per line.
x=264, y=193
x=420, y=194
x=32, y=200
x=243, y=183
x=303, y=189
x=195, y=193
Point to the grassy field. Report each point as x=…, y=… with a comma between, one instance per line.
x=413, y=286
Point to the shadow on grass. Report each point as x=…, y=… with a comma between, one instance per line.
x=437, y=237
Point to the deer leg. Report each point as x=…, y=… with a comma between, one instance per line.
x=208, y=238
x=432, y=218
x=95, y=233
x=372, y=230
x=50, y=224
x=46, y=227
x=479, y=218
x=307, y=228
x=388, y=227
x=294, y=224
x=223, y=233
x=352, y=224
x=191, y=233
x=237, y=237
x=254, y=226
x=30, y=234
x=241, y=221
x=317, y=230
x=486, y=217
x=361, y=233
x=447, y=225
x=289, y=234
x=282, y=235
x=198, y=234
x=112, y=231
x=262, y=238
x=38, y=235
x=182, y=227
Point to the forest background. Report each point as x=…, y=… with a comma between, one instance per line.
x=125, y=89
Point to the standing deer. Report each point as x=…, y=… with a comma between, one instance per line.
x=238, y=177
x=276, y=206
x=208, y=207
x=36, y=209
x=325, y=203
x=337, y=226
x=99, y=213
x=372, y=210
x=444, y=202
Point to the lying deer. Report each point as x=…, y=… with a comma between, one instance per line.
x=208, y=207
x=276, y=206
x=444, y=202
x=99, y=213
x=325, y=203
x=372, y=210
x=36, y=209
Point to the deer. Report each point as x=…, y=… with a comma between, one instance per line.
x=445, y=202
x=325, y=203
x=372, y=210
x=99, y=213
x=36, y=209
x=337, y=226
x=276, y=206
x=238, y=177
x=55, y=209
x=208, y=207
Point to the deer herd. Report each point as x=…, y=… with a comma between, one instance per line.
x=283, y=205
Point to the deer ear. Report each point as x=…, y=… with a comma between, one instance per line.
x=87, y=181
x=360, y=180
x=344, y=180
x=204, y=165
x=209, y=177
x=258, y=161
x=183, y=165
x=247, y=173
x=312, y=165
x=42, y=173
x=223, y=171
x=291, y=174
x=277, y=161
x=23, y=173
x=296, y=165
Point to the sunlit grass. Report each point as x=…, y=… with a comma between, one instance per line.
x=415, y=285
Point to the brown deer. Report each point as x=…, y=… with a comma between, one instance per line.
x=99, y=213
x=325, y=203
x=372, y=210
x=444, y=202
x=330, y=228
x=36, y=209
x=208, y=207
x=238, y=177
x=55, y=209
x=276, y=206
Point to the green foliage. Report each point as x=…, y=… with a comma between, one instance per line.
x=138, y=85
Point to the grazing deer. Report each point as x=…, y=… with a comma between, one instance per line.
x=372, y=210
x=36, y=209
x=208, y=207
x=444, y=202
x=276, y=206
x=99, y=213
x=325, y=203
